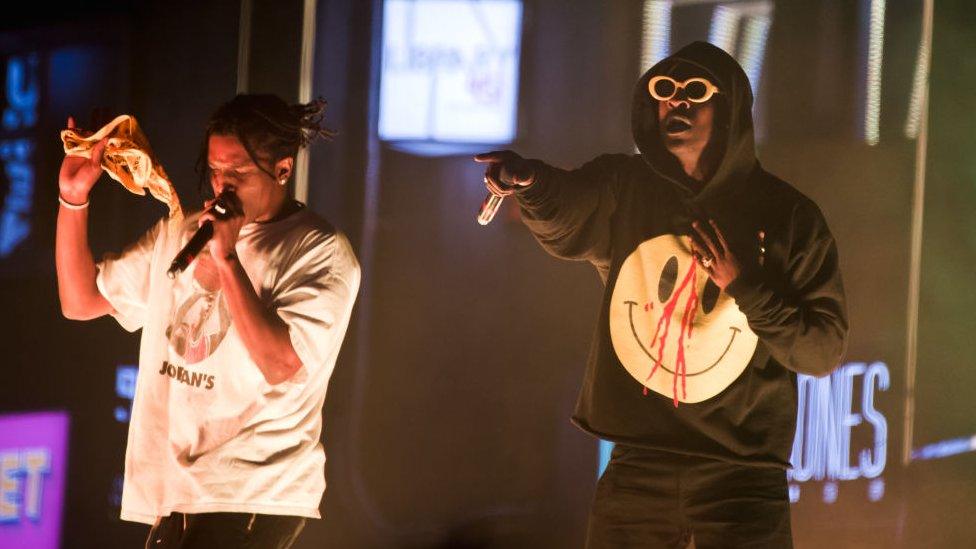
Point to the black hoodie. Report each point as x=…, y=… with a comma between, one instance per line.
x=676, y=364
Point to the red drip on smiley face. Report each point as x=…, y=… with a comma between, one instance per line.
x=659, y=288
x=687, y=322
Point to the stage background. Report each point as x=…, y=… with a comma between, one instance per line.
x=447, y=420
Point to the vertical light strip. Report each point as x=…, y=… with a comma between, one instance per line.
x=872, y=114
x=305, y=92
x=603, y=459
x=919, y=84
x=754, y=49
x=915, y=273
x=725, y=28
x=656, y=33
x=244, y=46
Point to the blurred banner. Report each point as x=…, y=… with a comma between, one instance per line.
x=33, y=468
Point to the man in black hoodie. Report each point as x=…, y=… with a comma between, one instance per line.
x=722, y=283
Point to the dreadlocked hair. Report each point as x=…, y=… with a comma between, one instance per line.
x=269, y=129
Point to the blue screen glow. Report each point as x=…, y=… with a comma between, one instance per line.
x=450, y=70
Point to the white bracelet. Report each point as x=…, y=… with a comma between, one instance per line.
x=71, y=206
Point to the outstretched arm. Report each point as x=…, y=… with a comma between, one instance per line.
x=80, y=298
x=568, y=211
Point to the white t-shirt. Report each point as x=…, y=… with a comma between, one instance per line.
x=207, y=432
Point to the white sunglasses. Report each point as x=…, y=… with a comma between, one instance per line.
x=697, y=90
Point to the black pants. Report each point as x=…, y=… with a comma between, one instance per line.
x=648, y=498
x=224, y=530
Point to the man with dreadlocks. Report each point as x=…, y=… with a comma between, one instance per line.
x=236, y=351
x=722, y=283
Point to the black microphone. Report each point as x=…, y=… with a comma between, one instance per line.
x=199, y=239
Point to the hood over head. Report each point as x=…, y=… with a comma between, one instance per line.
x=737, y=149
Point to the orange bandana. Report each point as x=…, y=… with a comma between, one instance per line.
x=128, y=159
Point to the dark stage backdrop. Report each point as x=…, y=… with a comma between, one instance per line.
x=447, y=420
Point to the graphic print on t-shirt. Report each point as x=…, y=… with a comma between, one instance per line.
x=199, y=325
x=672, y=328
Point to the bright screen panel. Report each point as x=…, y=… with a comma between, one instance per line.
x=450, y=70
x=33, y=466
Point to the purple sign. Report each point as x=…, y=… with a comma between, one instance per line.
x=33, y=465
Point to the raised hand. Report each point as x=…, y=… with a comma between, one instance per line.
x=79, y=174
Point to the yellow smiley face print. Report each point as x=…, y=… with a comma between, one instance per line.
x=672, y=328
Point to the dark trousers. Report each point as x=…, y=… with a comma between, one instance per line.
x=224, y=530
x=648, y=498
